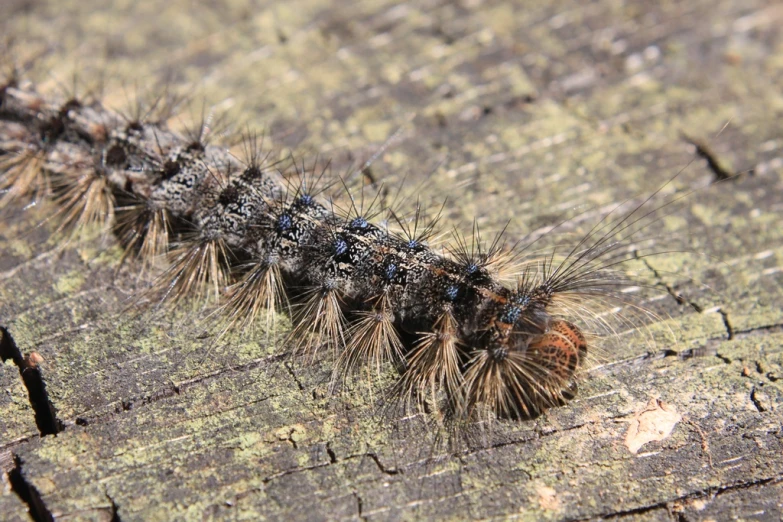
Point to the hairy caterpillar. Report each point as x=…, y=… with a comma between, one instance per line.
x=258, y=237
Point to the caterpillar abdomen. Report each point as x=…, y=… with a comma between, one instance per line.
x=258, y=236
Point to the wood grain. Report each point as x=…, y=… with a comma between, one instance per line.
x=512, y=110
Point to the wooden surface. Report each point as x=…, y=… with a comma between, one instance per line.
x=513, y=111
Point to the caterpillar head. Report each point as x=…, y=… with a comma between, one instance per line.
x=525, y=362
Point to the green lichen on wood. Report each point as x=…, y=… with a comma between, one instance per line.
x=17, y=421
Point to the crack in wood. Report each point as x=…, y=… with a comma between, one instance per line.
x=359, y=507
x=45, y=413
x=291, y=372
x=679, y=298
x=28, y=494
x=666, y=504
x=113, y=508
x=386, y=471
x=713, y=163
x=291, y=471
x=727, y=323
x=331, y=453
x=132, y=403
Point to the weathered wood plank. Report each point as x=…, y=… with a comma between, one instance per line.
x=17, y=422
x=532, y=113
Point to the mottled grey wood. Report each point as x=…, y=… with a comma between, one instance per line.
x=515, y=112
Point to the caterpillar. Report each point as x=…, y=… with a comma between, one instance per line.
x=477, y=329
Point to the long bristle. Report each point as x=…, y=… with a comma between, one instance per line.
x=434, y=362
x=373, y=341
x=84, y=199
x=143, y=231
x=495, y=257
x=260, y=292
x=418, y=229
x=154, y=105
x=319, y=322
x=518, y=384
x=22, y=176
x=200, y=131
x=497, y=386
x=198, y=269
x=361, y=207
x=304, y=181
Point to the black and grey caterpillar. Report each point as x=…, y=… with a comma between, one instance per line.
x=466, y=344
